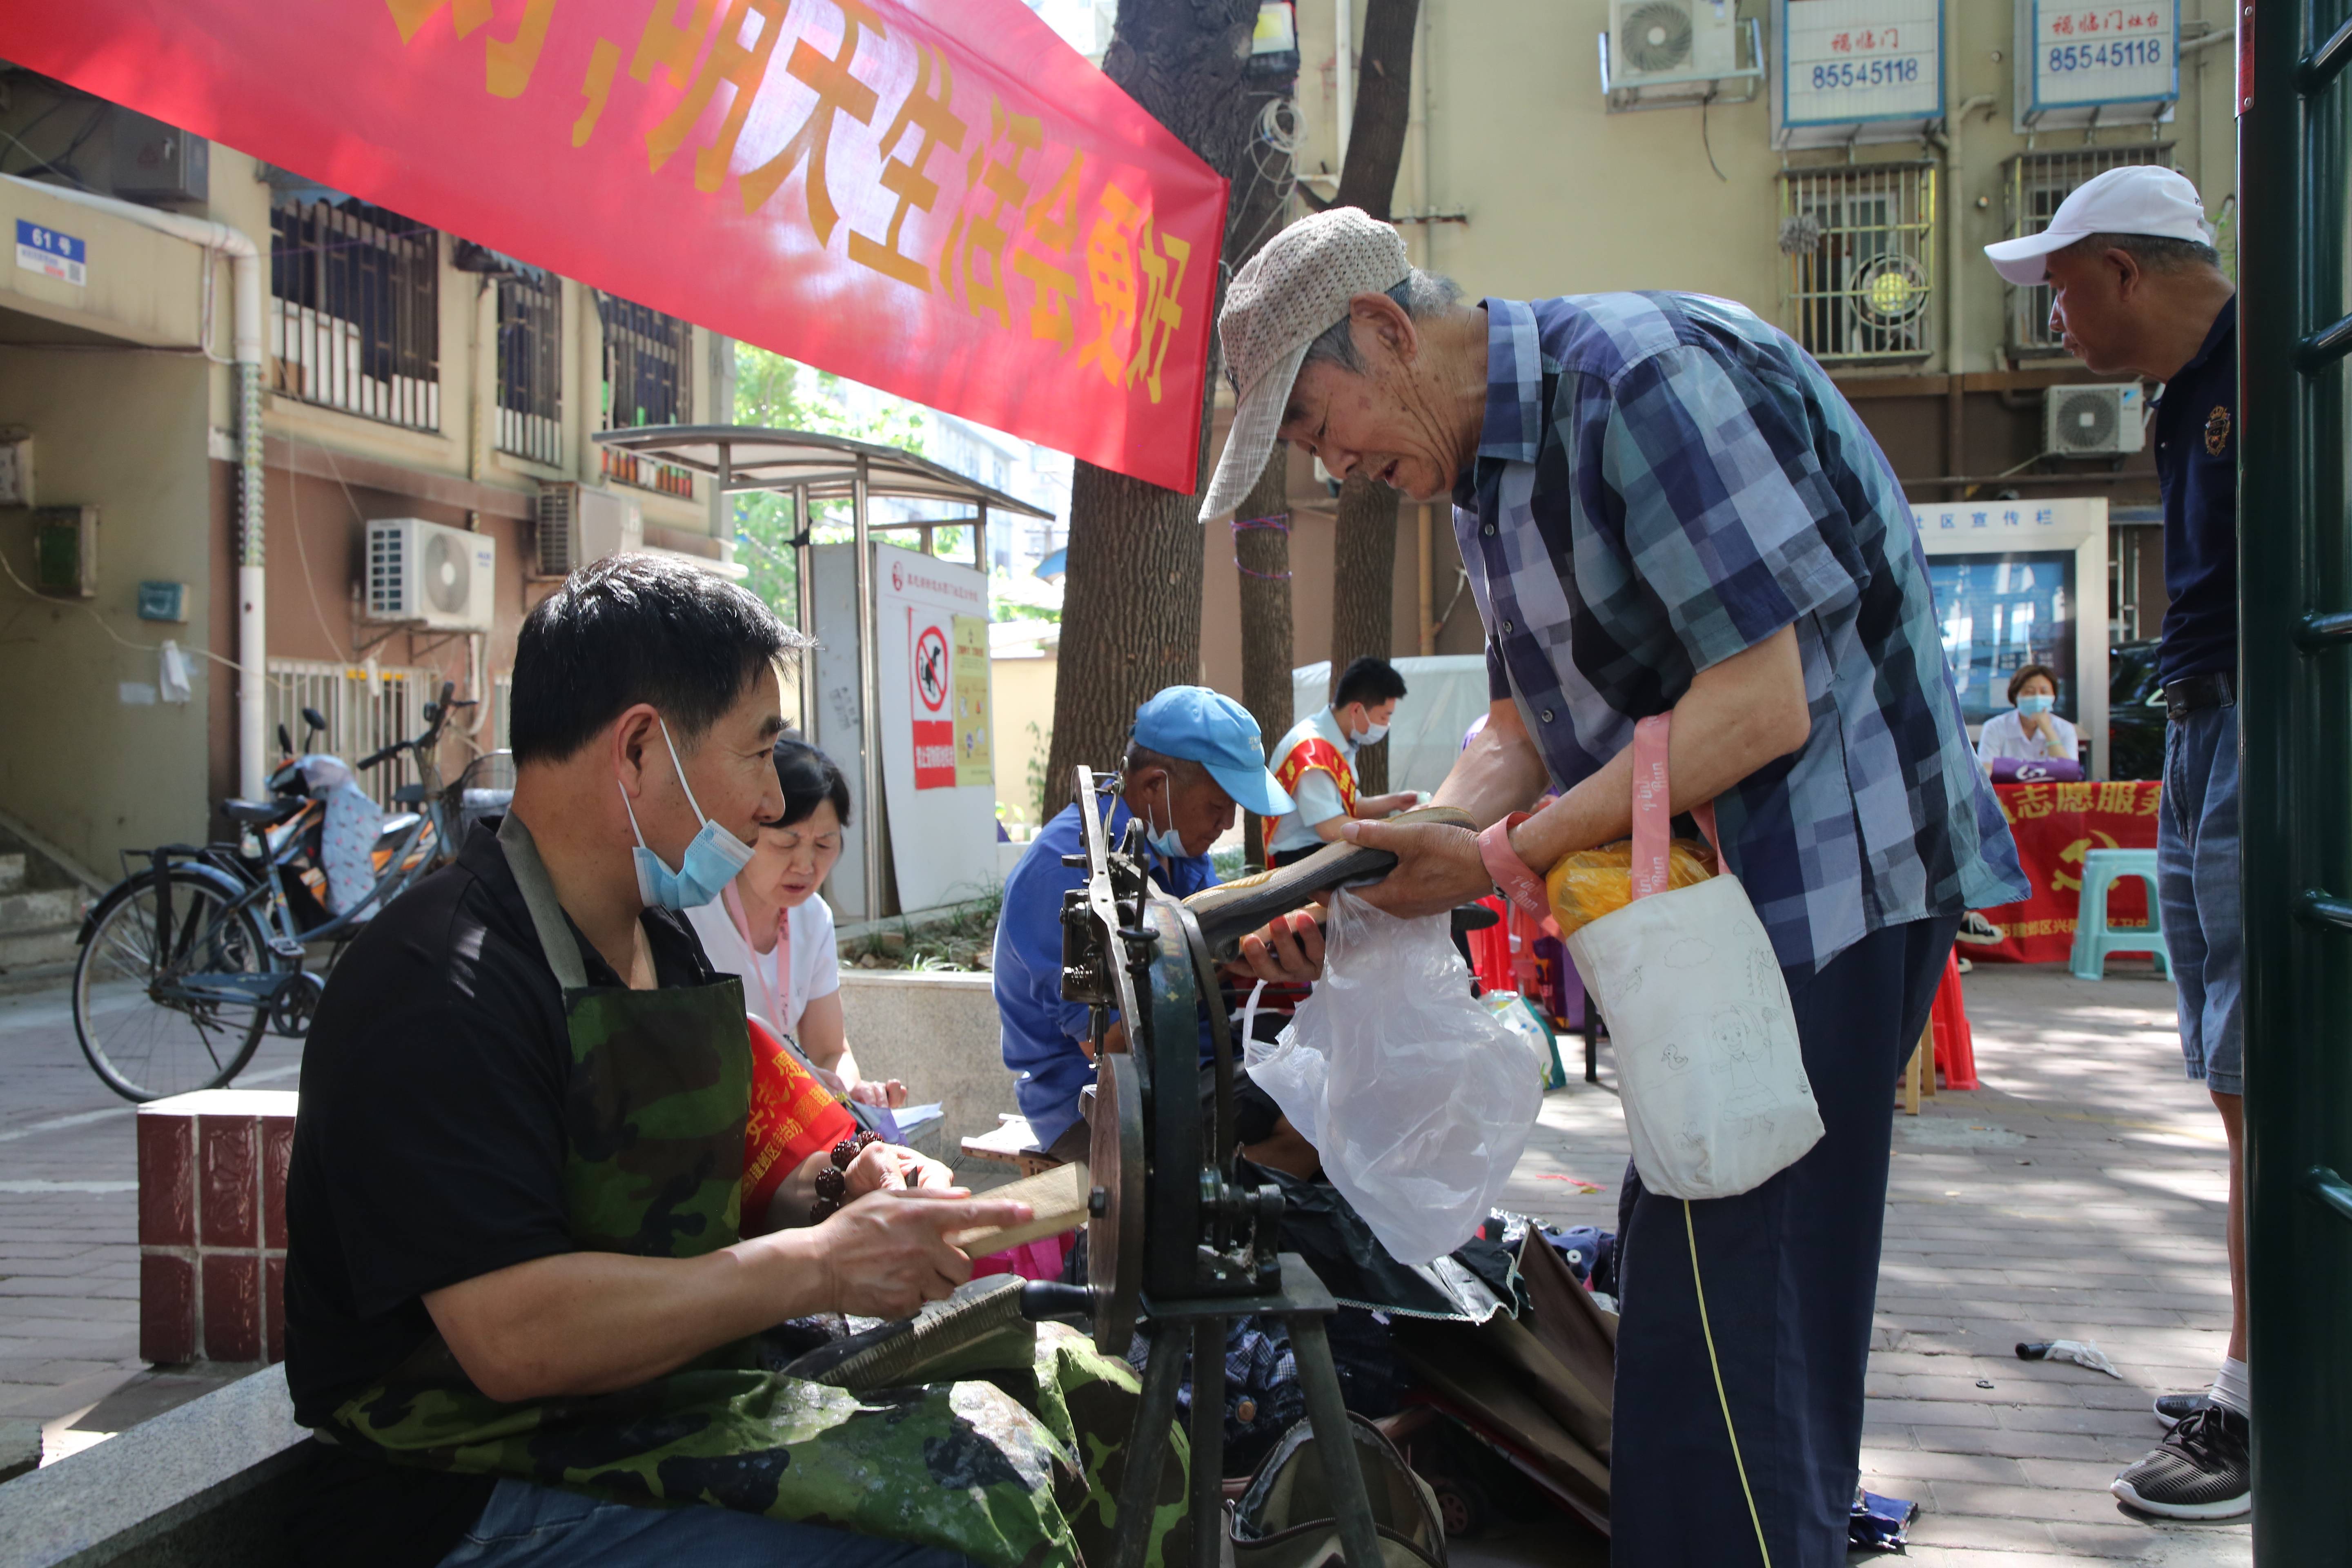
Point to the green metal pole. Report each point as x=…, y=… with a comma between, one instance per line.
x=2296, y=808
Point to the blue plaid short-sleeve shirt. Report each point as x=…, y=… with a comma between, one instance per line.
x=1662, y=481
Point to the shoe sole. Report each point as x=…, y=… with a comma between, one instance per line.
x=2229, y=1508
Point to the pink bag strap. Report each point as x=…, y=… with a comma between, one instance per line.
x=1654, y=812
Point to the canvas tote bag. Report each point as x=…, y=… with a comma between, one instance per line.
x=1714, y=1082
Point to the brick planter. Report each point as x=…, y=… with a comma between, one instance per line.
x=211, y=1224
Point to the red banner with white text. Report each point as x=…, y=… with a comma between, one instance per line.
x=938, y=197
x=2055, y=824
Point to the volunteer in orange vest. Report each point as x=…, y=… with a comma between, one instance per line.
x=1316, y=761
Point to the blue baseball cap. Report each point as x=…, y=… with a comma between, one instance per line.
x=1208, y=728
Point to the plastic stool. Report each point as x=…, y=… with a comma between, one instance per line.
x=2094, y=939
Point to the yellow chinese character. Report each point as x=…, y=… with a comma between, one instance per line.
x=669, y=42
x=2075, y=797
x=837, y=91
x=2030, y=801
x=1053, y=226
x=508, y=62
x=2151, y=800
x=1110, y=271
x=2117, y=796
x=729, y=61
x=926, y=111
x=1163, y=316
x=996, y=189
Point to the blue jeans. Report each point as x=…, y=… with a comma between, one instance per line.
x=2197, y=880
x=526, y=1526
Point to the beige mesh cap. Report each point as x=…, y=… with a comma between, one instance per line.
x=1287, y=296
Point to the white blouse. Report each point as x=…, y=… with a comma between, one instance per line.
x=2004, y=736
x=815, y=958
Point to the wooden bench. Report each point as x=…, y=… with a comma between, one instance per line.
x=1011, y=1144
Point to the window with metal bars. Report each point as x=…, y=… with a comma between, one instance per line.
x=530, y=366
x=2036, y=184
x=1859, y=240
x=355, y=310
x=649, y=380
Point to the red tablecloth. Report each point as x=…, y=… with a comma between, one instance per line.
x=2055, y=824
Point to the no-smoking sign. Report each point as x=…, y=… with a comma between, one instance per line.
x=931, y=668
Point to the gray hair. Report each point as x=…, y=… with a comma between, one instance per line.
x=2154, y=252
x=1423, y=295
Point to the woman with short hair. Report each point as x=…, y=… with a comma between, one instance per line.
x=2029, y=730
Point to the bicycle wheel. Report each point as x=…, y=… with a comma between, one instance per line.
x=146, y=1044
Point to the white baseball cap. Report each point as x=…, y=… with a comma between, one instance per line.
x=2139, y=199
x=1288, y=295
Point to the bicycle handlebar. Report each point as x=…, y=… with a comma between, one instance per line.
x=423, y=742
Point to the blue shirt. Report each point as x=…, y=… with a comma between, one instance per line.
x=1042, y=1031
x=2197, y=468
x=1662, y=481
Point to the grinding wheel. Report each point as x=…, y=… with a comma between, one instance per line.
x=1115, y=1177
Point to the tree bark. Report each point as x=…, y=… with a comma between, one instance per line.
x=1262, y=555
x=1131, y=601
x=1363, y=551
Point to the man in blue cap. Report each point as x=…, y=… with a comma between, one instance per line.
x=1193, y=757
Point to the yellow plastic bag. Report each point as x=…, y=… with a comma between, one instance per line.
x=1600, y=881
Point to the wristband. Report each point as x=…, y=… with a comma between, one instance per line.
x=1514, y=878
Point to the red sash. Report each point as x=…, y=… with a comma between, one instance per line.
x=1316, y=755
x=792, y=1116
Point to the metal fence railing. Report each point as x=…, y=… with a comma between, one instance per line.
x=355, y=312
x=1860, y=243
x=530, y=367
x=365, y=708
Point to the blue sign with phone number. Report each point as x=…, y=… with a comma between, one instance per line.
x=2118, y=56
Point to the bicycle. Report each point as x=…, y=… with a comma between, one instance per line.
x=185, y=964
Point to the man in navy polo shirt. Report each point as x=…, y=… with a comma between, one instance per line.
x=2137, y=287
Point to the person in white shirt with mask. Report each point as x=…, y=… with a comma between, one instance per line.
x=771, y=927
x=2029, y=730
x=1316, y=761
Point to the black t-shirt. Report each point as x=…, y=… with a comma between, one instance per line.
x=2196, y=467
x=428, y=1149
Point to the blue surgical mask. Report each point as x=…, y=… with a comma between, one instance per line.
x=1166, y=841
x=712, y=861
x=2037, y=704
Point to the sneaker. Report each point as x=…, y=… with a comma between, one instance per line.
x=1976, y=929
x=2172, y=1409
x=2201, y=1471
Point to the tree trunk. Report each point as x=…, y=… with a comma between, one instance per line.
x=1131, y=615
x=1363, y=549
x=1263, y=555
x=1363, y=578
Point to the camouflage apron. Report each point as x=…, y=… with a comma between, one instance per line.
x=1017, y=1467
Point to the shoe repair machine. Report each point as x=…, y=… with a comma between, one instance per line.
x=1177, y=1244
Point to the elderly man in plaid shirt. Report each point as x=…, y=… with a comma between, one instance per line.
x=1664, y=504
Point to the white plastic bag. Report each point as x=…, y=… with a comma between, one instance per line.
x=1418, y=1098
x=1709, y=1063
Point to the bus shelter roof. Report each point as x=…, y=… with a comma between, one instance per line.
x=745, y=459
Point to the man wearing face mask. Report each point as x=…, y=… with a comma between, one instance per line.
x=517, y=1166
x=1195, y=756
x=1316, y=761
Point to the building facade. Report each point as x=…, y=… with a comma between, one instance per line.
x=408, y=373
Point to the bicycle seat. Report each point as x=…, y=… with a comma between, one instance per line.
x=259, y=813
x=409, y=795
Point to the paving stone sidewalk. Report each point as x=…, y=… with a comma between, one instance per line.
x=68, y=1218
x=2079, y=1195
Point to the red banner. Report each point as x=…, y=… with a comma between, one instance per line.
x=938, y=197
x=2055, y=824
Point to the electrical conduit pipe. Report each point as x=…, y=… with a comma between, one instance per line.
x=245, y=278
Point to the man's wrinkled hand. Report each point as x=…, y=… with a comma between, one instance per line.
x=1288, y=950
x=1438, y=868
x=887, y=1253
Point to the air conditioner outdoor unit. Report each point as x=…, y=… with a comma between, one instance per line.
x=2098, y=421
x=579, y=524
x=431, y=574
x=1651, y=40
